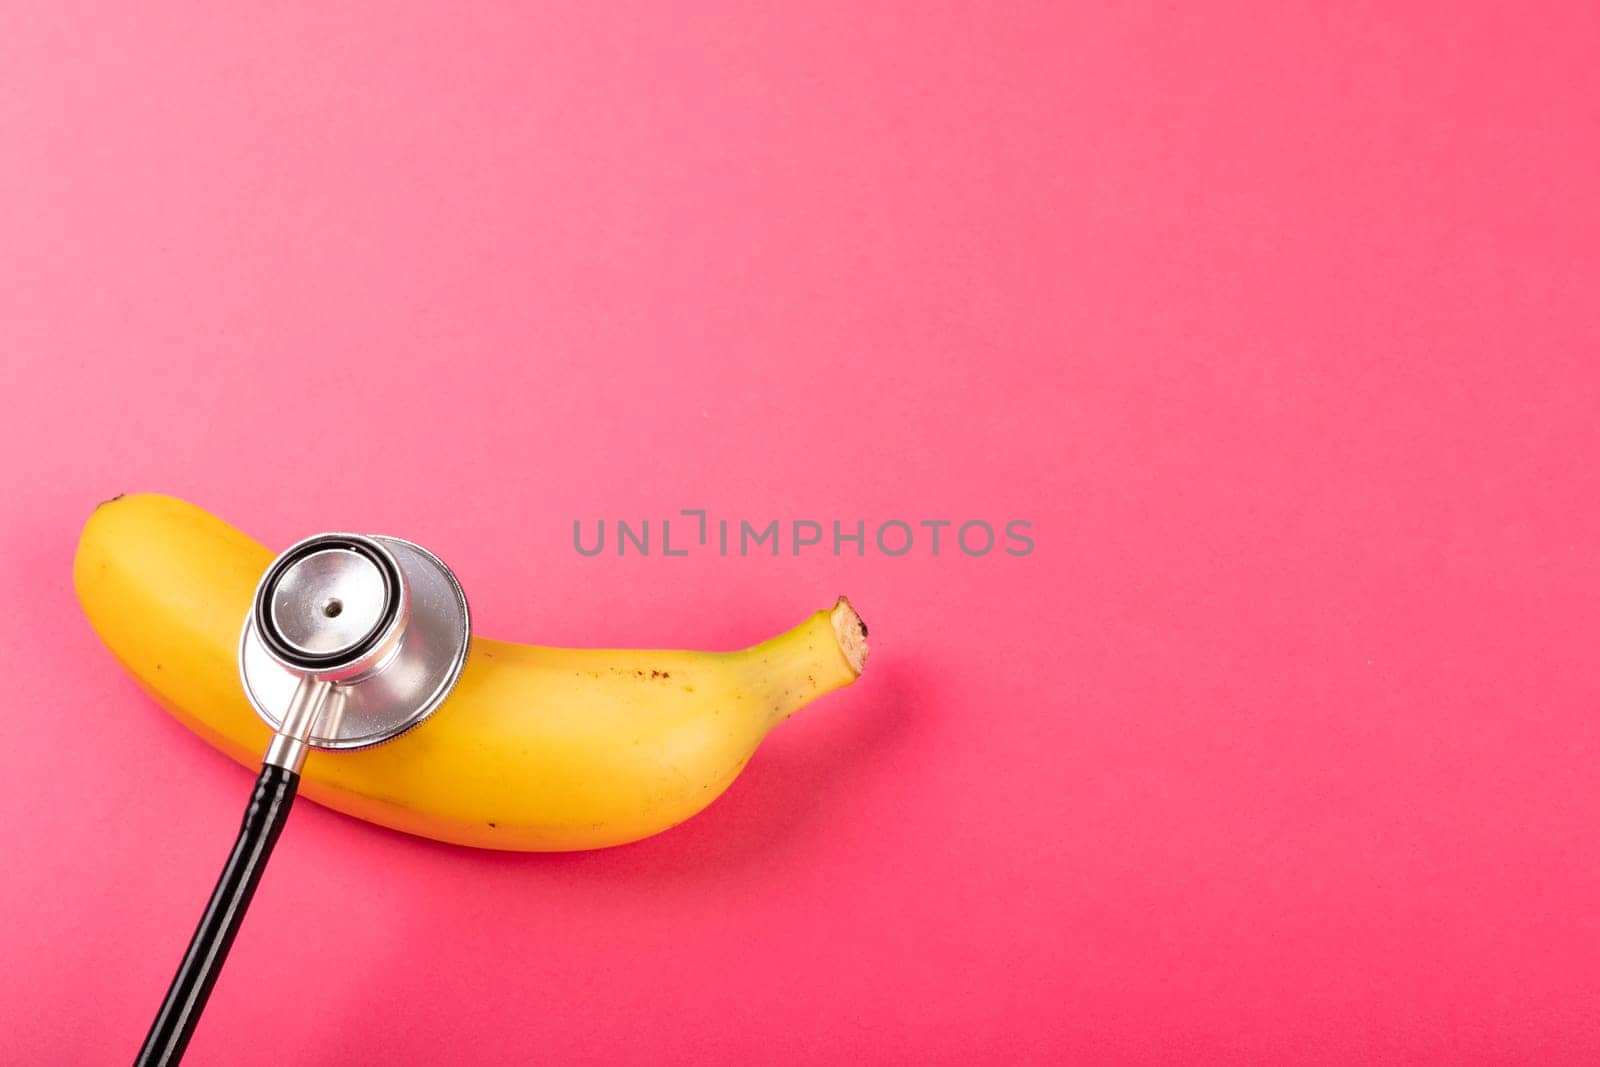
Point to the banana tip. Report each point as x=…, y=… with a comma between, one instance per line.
x=851, y=631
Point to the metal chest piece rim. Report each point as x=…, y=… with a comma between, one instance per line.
x=368, y=634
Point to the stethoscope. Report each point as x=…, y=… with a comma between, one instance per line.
x=350, y=642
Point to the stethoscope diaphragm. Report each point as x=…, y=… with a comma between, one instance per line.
x=381, y=621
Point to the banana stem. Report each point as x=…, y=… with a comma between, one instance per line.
x=851, y=631
x=825, y=652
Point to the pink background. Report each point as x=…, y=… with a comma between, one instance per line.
x=1279, y=324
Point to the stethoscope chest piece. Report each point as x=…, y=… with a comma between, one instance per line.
x=373, y=631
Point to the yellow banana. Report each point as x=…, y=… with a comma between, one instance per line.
x=537, y=749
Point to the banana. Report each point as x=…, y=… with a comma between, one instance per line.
x=537, y=749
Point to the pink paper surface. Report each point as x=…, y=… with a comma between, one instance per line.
x=1277, y=322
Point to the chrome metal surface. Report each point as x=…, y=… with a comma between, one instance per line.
x=329, y=601
x=332, y=605
x=309, y=705
x=385, y=670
